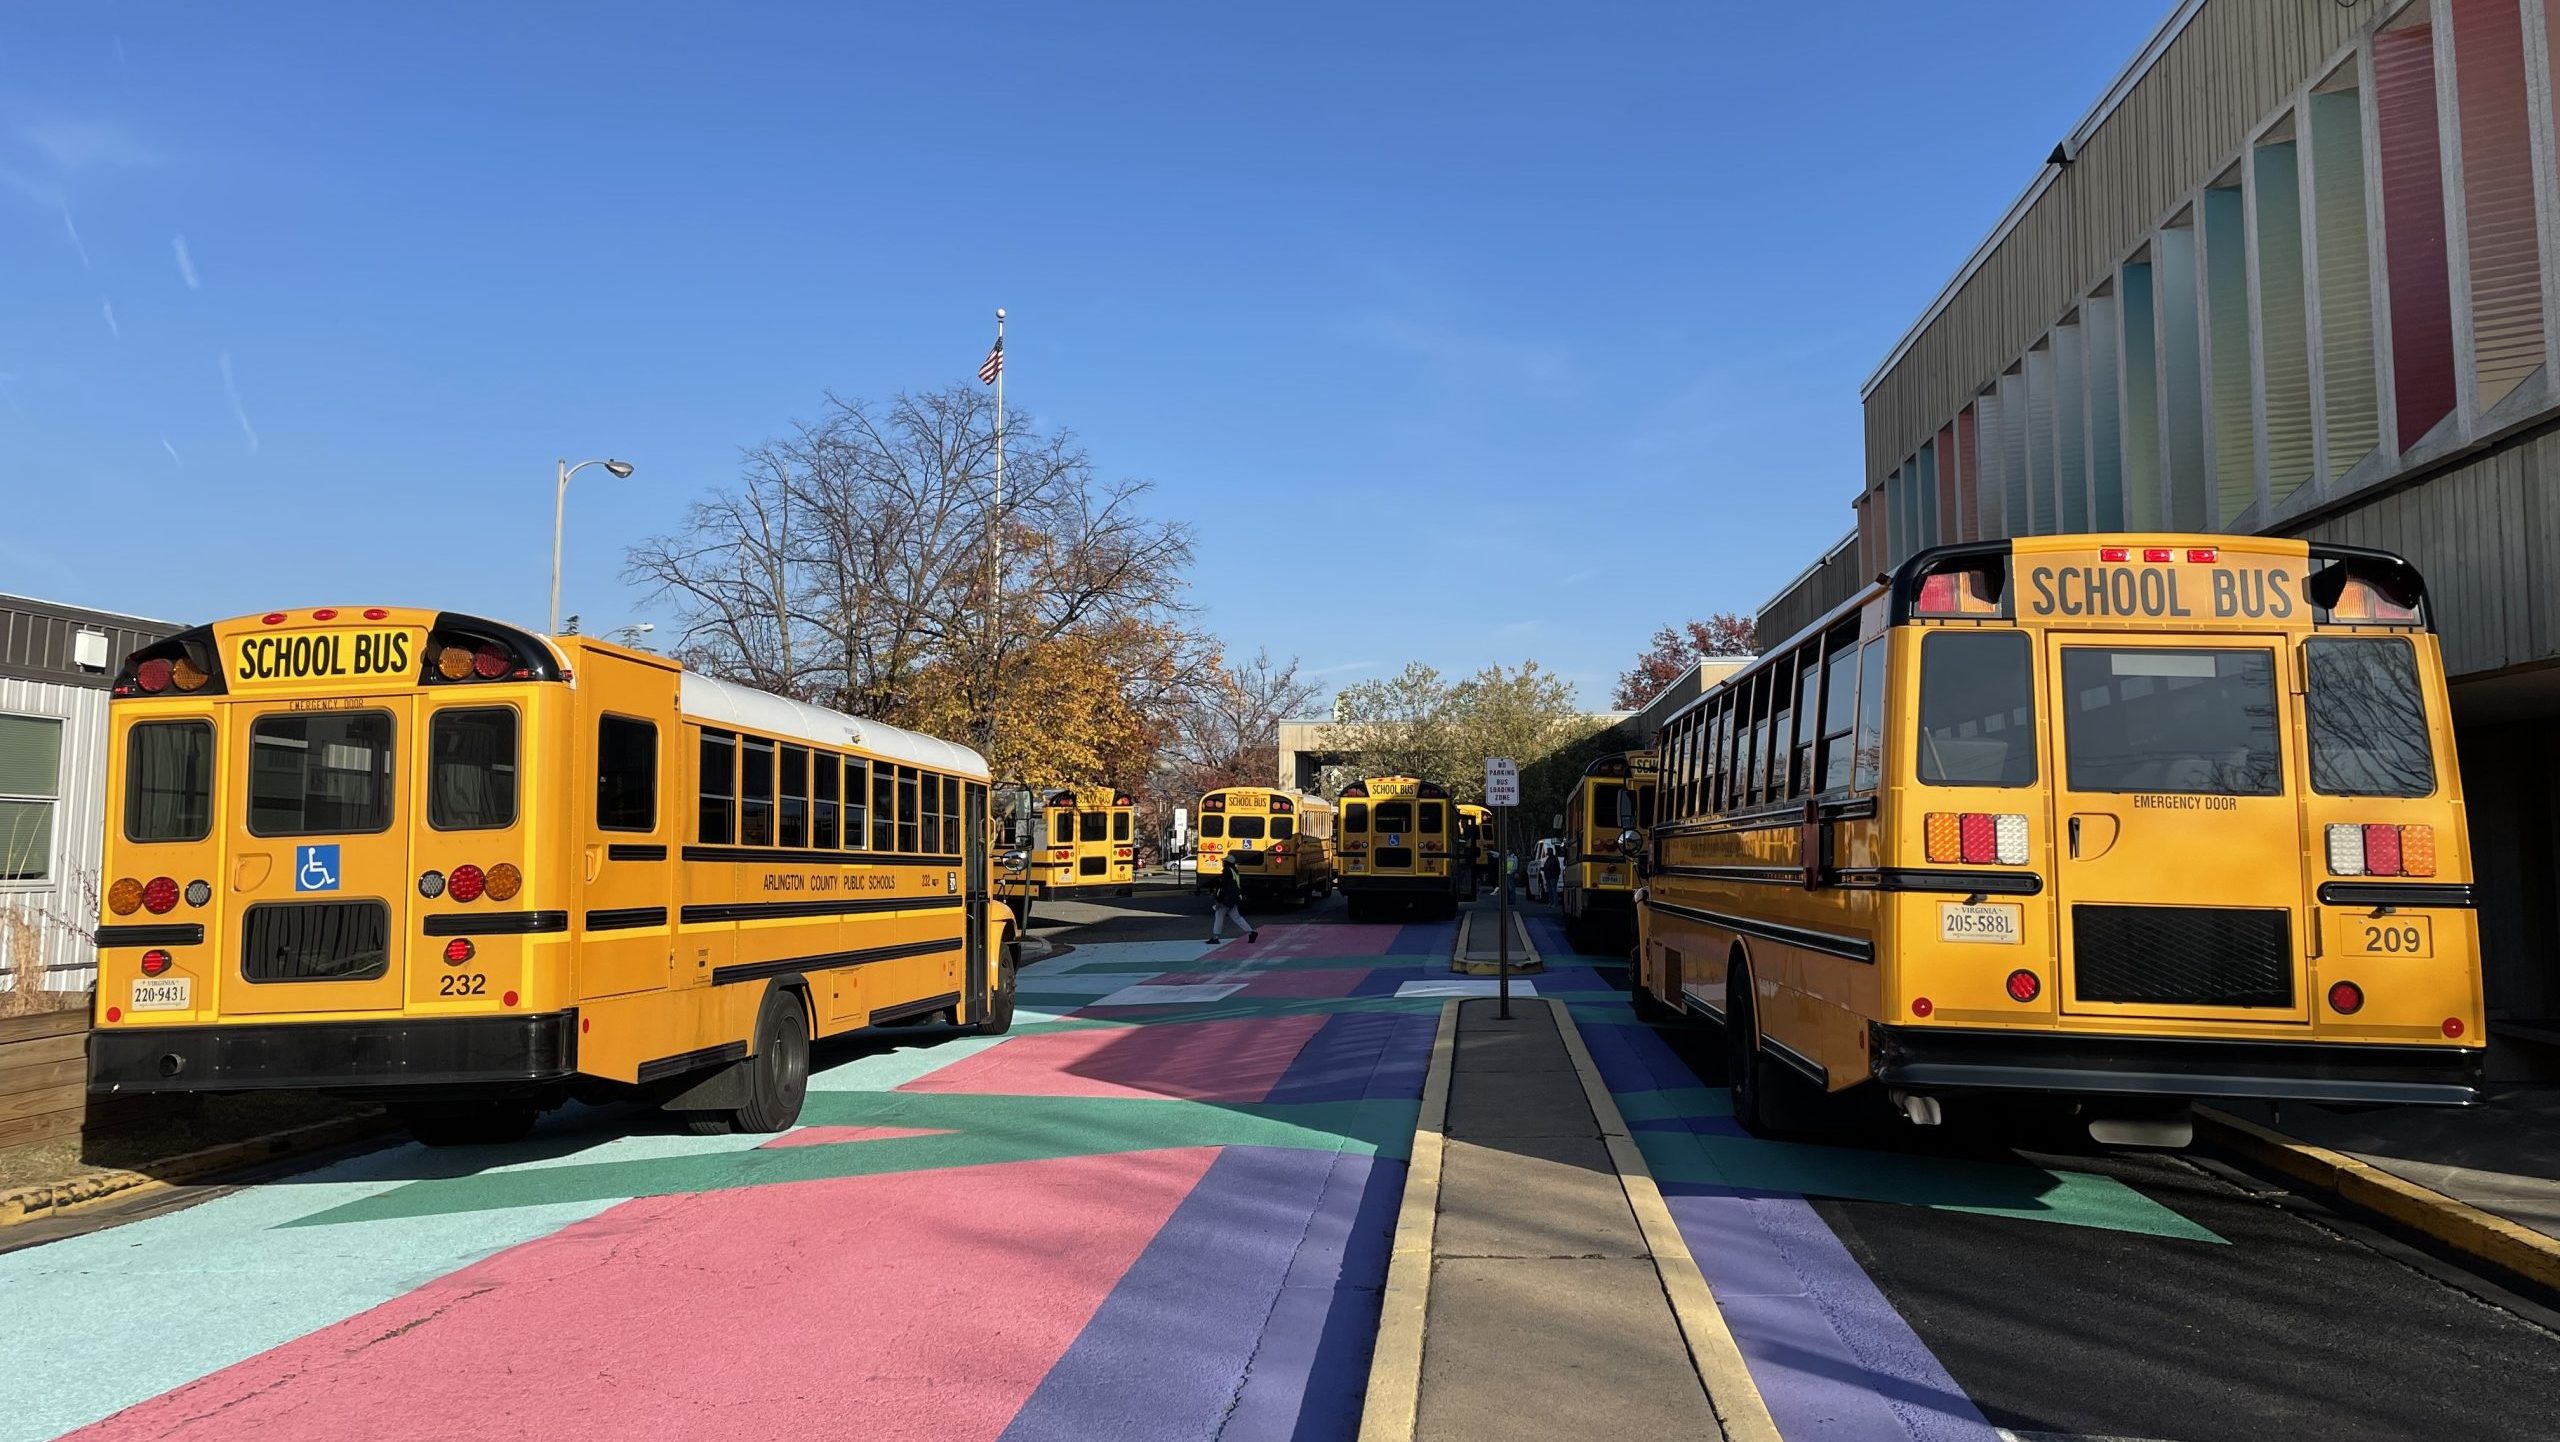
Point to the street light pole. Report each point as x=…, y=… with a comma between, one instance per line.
x=621, y=471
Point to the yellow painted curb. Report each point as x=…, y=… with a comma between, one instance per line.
x=1394, y=1401
x=1527, y=961
x=1712, y=1350
x=2465, y=1228
x=53, y=1199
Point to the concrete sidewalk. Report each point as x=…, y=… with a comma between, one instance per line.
x=1478, y=952
x=1546, y=1316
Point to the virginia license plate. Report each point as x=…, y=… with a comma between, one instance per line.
x=1993, y=923
x=169, y=993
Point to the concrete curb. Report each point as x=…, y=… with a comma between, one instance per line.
x=1394, y=1401
x=1527, y=961
x=2511, y=1246
x=29, y=1204
x=1730, y=1391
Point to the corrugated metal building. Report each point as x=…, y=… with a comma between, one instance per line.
x=56, y=663
x=2297, y=272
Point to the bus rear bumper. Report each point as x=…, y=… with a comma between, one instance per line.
x=1941, y=1060
x=396, y=1054
x=1398, y=885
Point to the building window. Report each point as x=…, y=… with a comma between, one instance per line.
x=30, y=788
x=2404, y=100
x=2348, y=408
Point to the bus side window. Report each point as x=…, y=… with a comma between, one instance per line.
x=1758, y=760
x=626, y=774
x=717, y=822
x=951, y=832
x=909, y=825
x=795, y=797
x=857, y=780
x=824, y=772
x=1808, y=716
x=929, y=835
x=1839, y=712
x=755, y=793
x=1870, y=767
x=884, y=808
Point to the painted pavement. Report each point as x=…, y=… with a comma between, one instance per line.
x=1160, y=1208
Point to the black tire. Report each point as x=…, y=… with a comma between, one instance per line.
x=467, y=1124
x=778, y=1072
x=1756, y=1079
x=999, y=1017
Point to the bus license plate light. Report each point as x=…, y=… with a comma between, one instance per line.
x=1982, y=923
x=167, y=993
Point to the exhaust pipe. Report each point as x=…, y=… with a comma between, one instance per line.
x=1922, y=1111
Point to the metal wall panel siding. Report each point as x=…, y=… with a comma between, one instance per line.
x=1951, y=517
x=2070, y=429
x=2404, y=85
x=2348, y=406
x=1967, y=442
x=2039, y=450
x=2106, y=429
x=2015, y=483
x=2498, y=197
x=2182, y=377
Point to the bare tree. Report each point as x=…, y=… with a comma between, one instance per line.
x=849, y=563
x=1230, y=726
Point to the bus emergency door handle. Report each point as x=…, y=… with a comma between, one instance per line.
x=2075, y=838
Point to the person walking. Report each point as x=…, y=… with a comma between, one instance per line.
x=1229, y=907
x=1551, y=871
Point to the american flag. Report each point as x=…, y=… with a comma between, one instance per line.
x=995, y=364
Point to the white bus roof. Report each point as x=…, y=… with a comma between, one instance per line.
x=721, y=703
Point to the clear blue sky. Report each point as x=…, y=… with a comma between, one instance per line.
x=1560, y=286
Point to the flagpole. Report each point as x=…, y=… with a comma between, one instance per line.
x=995, y=554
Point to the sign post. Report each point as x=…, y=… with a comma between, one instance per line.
x=1502, y=793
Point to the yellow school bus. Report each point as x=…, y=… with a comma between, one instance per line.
x=1597, y=889
x=1476, y=843
x=1279, y=842
x=466, y=869
x=1399, y=843
x=1072, y=839
x=2112, y=821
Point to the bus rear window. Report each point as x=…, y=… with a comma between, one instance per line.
x=168, y=781
x=471, y=769
x=1283, y=827
x=1604, y=807
x=1977, y=709
x=1213, y=827
x=1355, y=816
x=320, y=774
x=2153, y=719
x=1393, y=816
x=2366, y=718
x=1093, y=826
x=1245, y=828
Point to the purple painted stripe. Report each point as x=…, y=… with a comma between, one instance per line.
x=1830, y=1354
x=1203, y=1336
x=1425, y=938
x=1357, y=1055
x=1635, y=1058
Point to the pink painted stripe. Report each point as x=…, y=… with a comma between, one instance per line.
x=828, y=1136
x=1228, y=1061
x=1306, y=983
x=909, y=1308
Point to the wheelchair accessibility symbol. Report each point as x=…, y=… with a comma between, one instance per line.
x=315, y=868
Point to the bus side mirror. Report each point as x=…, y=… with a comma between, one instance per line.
x=1631, y=846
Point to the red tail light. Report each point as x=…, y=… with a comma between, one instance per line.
x=459, y=950
x=2381, y=850
x=2346, y=998
x=2204, y=555
x=2025, y=985
x=2114, y=555
x=1977, y=838
x=2452, y=1026
x=1922, y=1006
x=466, y=883
x=160, y=895
x=154, y=962
x=491, y=662
x=2155, y=555
x=152, y=675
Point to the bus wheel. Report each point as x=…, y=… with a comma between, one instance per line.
x=778, y=1075
x=999, y=1017
x=466, y=1124
x=1746, y=1066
